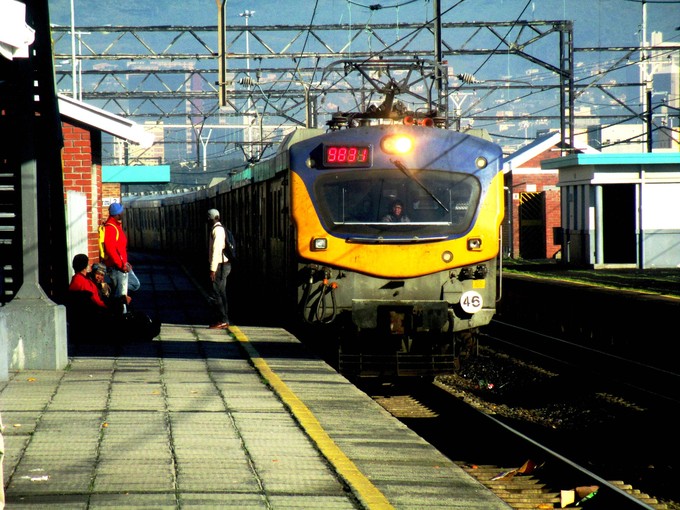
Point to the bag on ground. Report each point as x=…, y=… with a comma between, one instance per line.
x=139, y=326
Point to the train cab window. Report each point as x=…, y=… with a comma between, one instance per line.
x=436, y=202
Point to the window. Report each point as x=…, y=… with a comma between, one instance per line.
x=435, y=202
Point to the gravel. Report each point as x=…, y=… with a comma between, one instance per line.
x=528, y=393
x=569, y=412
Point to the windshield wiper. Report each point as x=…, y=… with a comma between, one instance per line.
x=408, y=174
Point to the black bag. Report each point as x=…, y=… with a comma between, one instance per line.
x=230, y=246
x=139, y=326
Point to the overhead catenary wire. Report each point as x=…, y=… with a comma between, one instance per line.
x=324, y=109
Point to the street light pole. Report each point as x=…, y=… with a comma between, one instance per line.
x=80, y=63
x=74, y=64
x=246, y=15
x=646, y=79
x=649, y=115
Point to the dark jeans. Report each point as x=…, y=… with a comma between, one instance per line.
x=218, y=293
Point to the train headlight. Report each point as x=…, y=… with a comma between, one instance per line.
x=319, y=244
x=397, y=144
x=474, y=243
x=481, y=162
x=447, y=256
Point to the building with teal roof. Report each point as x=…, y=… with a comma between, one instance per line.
x=619, y=210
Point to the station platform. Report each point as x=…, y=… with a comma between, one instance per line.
x=657, y=282
x=197, y=418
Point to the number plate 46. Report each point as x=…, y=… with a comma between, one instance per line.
x=471, y=301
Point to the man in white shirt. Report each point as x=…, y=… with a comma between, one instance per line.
x=220, y=267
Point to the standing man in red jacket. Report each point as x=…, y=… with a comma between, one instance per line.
x=123, y=279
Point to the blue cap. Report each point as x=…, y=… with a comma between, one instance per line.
x=115, y=209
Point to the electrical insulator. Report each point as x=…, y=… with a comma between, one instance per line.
x=467, y=78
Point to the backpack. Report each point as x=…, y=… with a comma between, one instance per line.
x=229, y=249
x=230, y=246
x=102, y=236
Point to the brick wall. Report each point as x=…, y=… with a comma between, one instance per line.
x=110, y=192
x=540, y=181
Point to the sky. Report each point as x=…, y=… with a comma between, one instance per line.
x=597, y=22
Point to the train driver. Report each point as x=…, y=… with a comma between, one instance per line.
x=396, y=213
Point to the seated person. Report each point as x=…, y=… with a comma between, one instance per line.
x=85, y=309
x=93, y=313
x=396, y=213
x=98, y=275
x=81, y=283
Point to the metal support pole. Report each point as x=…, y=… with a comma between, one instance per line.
x=221, y=51
x=599, y=226
x=438, y=58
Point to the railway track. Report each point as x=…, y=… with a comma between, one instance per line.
x=520, y=470
x=569, y=430
x=641, y=372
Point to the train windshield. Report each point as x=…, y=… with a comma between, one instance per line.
x=433, y=203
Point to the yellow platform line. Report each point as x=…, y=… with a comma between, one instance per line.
x=363, y=488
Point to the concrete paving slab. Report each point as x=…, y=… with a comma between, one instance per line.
x=194, y=420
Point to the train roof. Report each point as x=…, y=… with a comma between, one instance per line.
x=261, y=170
x=157, y=200
x=297, y=136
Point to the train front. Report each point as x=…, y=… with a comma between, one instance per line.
x=405, y=290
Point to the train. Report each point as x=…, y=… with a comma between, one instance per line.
x=316, y=250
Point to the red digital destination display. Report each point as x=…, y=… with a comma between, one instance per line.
x=347, y=155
